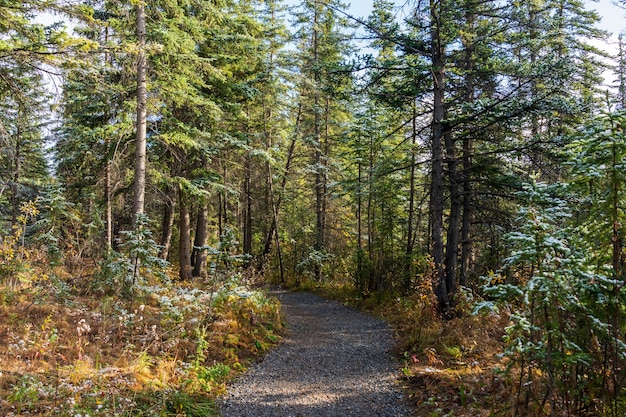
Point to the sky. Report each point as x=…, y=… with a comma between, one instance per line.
x=613, y=20
x=613, y=17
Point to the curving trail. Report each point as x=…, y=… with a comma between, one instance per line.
x=335, y=362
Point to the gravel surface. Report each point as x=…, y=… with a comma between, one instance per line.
x=334, y=361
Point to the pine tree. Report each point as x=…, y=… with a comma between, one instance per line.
x=489, y=74
x=321, y=88
x=26, y=47
x=22, y=160
x=566, y=322
x=139, y=187
x=92, y=143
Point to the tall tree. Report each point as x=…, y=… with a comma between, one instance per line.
x=96, y=127
x=597, y=170
x=141, y=110
x=25, y=51
x=481, y=72
x=323, y=45
x=22, y=158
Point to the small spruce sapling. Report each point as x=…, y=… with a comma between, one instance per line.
x=554, y=325
x=138, y=258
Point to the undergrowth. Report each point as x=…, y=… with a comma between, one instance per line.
x=168, y=351
x=463, y=366
x=447, y=366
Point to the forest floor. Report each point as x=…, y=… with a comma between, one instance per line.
x=68, y=349
x=449, y=368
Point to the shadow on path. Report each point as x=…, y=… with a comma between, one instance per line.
x=335, y=361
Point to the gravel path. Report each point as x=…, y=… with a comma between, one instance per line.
x=335, y=362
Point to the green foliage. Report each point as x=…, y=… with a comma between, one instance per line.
x=63, y=230
x=128, y=270
x=182, y=403
x=314, y=259
x=335, y=150
x=596, y=158
x=209, y=377
x=15, y=257
x=25, y=392
x=559, y=320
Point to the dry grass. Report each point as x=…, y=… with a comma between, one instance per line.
x=451, y=371
x=449, y=366
x=67, y=353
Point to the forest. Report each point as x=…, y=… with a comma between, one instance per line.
x=455, y=166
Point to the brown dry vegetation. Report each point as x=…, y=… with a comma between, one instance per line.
x=66, y=351
x=450, y=367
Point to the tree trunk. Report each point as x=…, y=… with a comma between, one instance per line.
x=6, y=142
x=437, y=150
x=222, y=213
x=319, y=174
x=468, y=149
x=371, y=236
x=140, y=142
x=107, y=199
x=325, y=167
x=168, y=223
x=360, y=285
x=275, y=223
x=184, y=257
x=247, y=206
x=107, y=171
x=275, y=205
x=466, y=227
x=409, y=232
x=202, y=235
x=621, y=73
x=452, y=238
x=283, y=185
x=17, y=169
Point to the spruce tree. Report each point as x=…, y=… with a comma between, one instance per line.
x=323, y=43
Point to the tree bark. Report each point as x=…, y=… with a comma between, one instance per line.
x=468, y=149
x=325, y=167
x=108, y=205
x=621, y=73
x=222, y=212
x=466, y=226
x=319, y=174
x=359, y=230
x=184, y=246
x=202, y=235
x=17, y=170
x=371, y=212
x=168, y=223
x=409, y=232
x=247, y=206
x=107, y=171
x=454, y=219
x=437, y=150
x=140, y=141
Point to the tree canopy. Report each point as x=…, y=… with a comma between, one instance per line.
x=441, y=148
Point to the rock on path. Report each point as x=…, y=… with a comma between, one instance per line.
x=335, y=362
